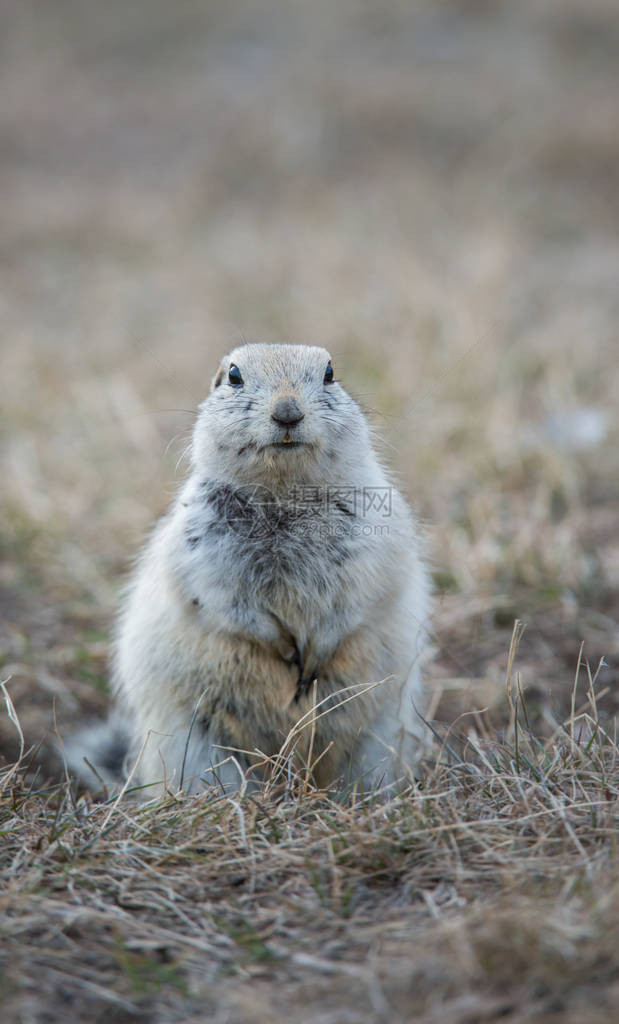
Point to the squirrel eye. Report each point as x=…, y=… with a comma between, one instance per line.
x=329, y=374
x=234, y=376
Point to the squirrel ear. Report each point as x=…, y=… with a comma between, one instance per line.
x=217, y=379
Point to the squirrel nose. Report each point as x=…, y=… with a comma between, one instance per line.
x=287, y=412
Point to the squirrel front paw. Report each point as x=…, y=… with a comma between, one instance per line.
x=316, y=655
x=285, y=643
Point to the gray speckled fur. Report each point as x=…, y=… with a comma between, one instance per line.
x=242, y=590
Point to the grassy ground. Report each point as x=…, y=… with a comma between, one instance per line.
x=430, y=192
x=487, y=892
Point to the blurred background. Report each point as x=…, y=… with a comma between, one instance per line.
x=428, y=190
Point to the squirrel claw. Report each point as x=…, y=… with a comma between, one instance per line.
x=304, y=686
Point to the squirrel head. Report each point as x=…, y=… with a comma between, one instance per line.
x=276, y=414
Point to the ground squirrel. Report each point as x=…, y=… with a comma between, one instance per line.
x=286, y=576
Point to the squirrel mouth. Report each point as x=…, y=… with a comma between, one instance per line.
x=288, y=442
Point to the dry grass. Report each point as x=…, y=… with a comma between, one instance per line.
x=429, y=190
x=488, y=890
